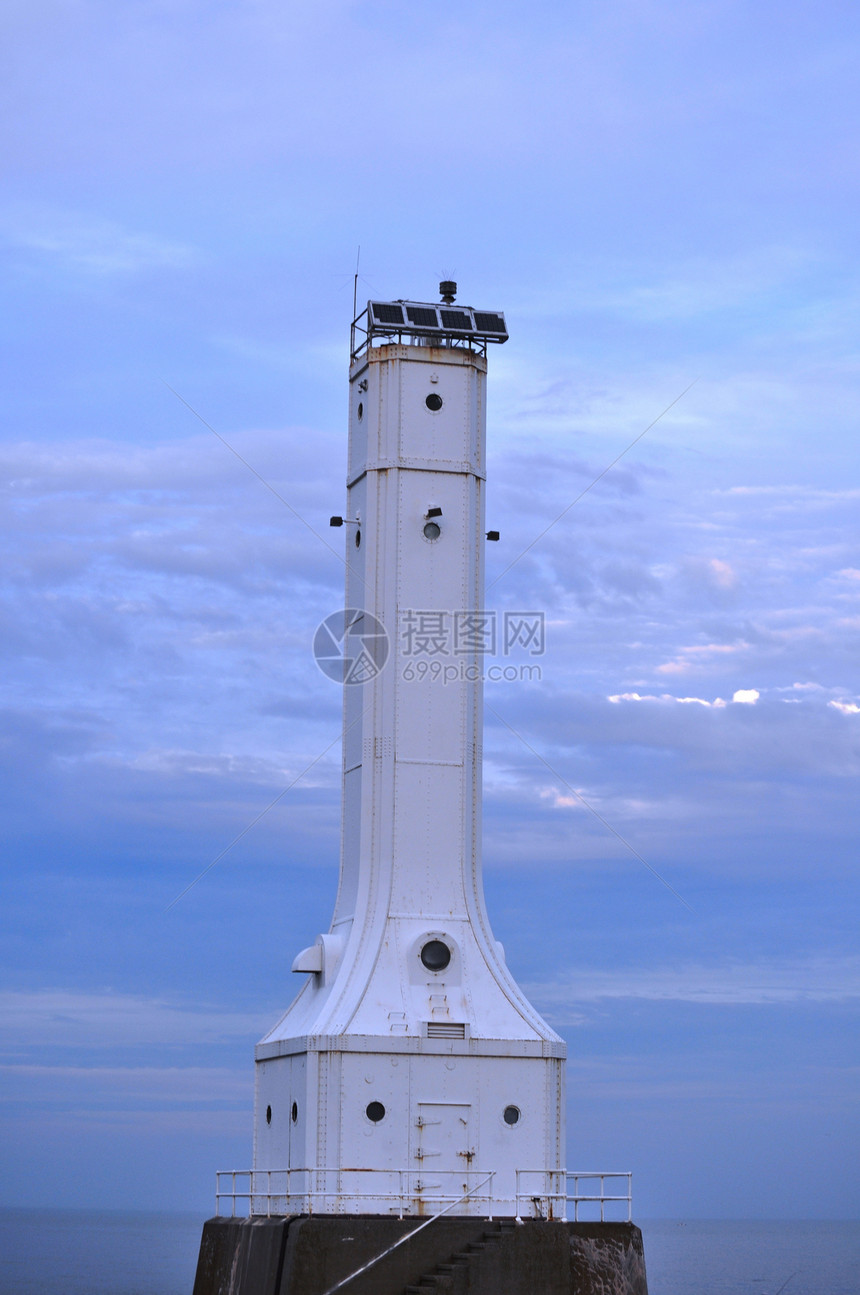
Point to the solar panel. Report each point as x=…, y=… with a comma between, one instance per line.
x=460, y=324
x=422, y=316
x=388, y=313
x=456, y=319
x=486, y=323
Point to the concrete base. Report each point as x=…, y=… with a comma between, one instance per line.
x=460, y=1256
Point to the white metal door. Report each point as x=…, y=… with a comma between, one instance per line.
x=444, y=1153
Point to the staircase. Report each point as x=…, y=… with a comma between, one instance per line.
x=452, y=1277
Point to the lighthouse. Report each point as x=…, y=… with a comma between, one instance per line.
x=409, y=1104
x=411, y=1073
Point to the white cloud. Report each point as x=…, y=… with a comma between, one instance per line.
x=746, y=696
x=559, y=800
x=717, y=703
x=846, y=707
x=722, y=574
x=698, y=655
x=105, y=1019
x=98, y=246
x=800, y=493
x=814, y=980
x=674, y=667
x=89, y=1086
x=703, y=285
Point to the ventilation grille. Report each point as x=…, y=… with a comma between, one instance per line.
x=446, y=1030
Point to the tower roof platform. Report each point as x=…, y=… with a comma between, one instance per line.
x=426, y=323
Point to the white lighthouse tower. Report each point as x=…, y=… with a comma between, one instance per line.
x=411, y=1074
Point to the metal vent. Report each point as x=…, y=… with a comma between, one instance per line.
x=446, y=1030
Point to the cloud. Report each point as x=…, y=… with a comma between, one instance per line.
x=668, y=697
x=142, y=581
x=705, y=286
x=158, y=603
x=819, y=979
x=746, y=696
x=846, y=707
x=90, y=1087
x=722, y=573
x=802, y=494
x=698, y=655
x=97, y=1020
x=99, y=247
x=559, y=800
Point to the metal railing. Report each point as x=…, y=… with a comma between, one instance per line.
x=540, y=1193
x=309, y=1191
x=545, y=1194
x=365, y=331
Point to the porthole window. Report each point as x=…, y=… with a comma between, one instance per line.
x=294, y=1113
x=375, y=1112
x=511, y=1115
x=360, y=411
x=435, y=955
x=431, y=531
x=268, y=1114
x=434, y=402
x=357, y=538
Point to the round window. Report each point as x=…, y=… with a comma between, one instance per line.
x=268, y=1114
x=433, y=402
x=357, y=538
x=511, y=1115
x=435, y=955
x=432, y=531
x=375, y=1112
x=360, y=411
x=294, y=1113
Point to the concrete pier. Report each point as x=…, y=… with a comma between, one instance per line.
x=308, y=1255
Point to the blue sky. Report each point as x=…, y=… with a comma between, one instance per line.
x=656, y=194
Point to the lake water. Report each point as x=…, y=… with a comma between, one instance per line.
x=716, y=1257
x=69, y=1252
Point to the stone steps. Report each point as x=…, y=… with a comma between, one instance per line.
x=447, y=1277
